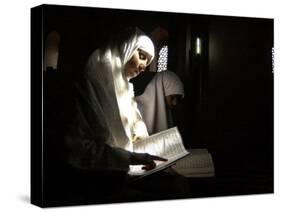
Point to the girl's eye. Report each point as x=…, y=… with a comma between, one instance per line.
x=142, y=56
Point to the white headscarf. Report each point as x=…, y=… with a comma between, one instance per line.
x=152, y=105
x=106, y=118
x=131, y=118
x=138, y=41
x=114, y=57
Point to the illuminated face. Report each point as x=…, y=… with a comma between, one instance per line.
x=136, y=64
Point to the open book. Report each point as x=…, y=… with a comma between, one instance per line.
x=166, y=144
x=198, y=164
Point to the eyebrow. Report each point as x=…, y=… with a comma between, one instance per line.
x=144, y=52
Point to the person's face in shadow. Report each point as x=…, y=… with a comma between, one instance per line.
x=172, y=100
x=136, y=64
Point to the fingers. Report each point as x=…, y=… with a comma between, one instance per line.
x=145, y=159
x=154, y=157
x=149, y=166
x=150, y=158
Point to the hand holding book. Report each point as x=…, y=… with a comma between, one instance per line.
x=145, y=159
x=166, y=144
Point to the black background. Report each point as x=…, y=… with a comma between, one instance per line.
x=228, y=105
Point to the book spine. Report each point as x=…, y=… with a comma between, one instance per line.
x=36, y=189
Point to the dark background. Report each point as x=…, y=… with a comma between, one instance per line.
x=228, y=105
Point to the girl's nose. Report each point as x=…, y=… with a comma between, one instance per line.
x=141, y=67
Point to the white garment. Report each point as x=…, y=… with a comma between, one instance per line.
x=130, y=115
x=151, y=103
x=106, y=116
x=117, y=56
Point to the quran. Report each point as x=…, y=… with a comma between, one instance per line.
x=198, y=164
x=167, y=144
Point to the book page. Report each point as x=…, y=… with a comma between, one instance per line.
x=164, y=144
x=167, y=144
x=196, y=165
x=198, y=151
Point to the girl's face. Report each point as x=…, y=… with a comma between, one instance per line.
x=136, y=64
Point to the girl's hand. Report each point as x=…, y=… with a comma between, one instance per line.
x=145, y=159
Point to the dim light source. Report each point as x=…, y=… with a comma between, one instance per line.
x=198, y=46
